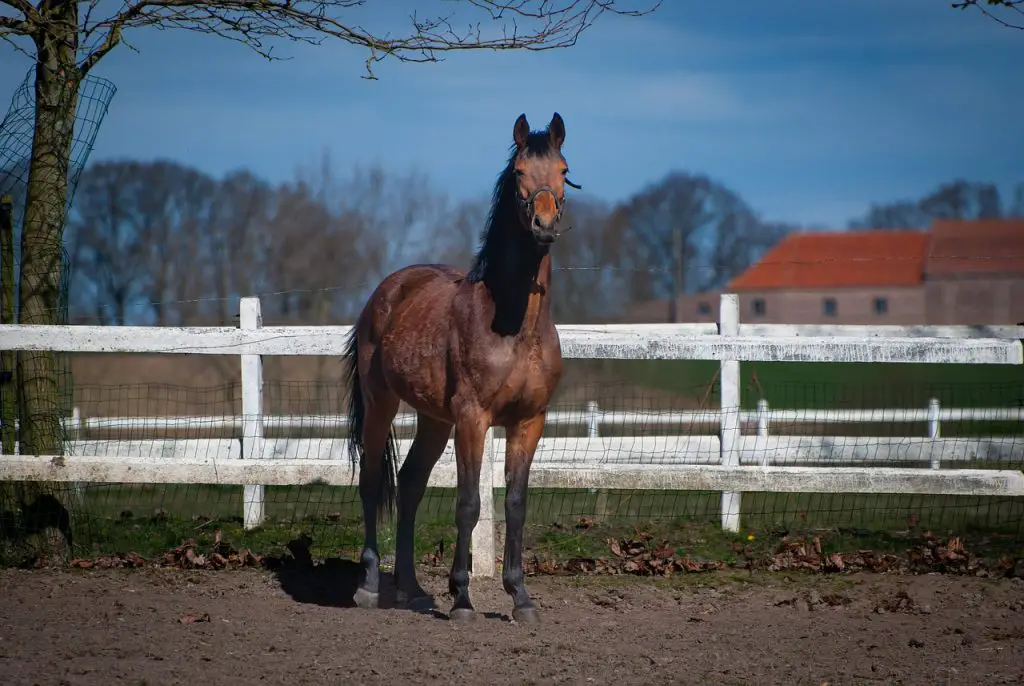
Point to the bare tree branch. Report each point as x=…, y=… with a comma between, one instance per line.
x=259, y=23
x=23, y=6
x=9, y=34
x=990, y=7
x=25, y=26
x=13, y=25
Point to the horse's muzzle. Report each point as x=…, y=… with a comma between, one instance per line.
x=545, y=233
x=544, y=236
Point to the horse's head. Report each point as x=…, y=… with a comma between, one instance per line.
x=539, y=169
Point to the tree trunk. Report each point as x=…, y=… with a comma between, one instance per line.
x=8, y=389
x=56, y=92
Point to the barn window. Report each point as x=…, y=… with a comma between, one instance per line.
x=758, y=307
x=828, y=306
x=881, y=306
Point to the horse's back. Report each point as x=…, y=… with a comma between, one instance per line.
x=427, y=288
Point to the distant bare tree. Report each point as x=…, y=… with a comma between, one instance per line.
x=589, y=284
x=237, y=242
x=134, y=236
x=457, y=239
x=683, y=234
x=187, y=201
x=109, y=240
x=741, y=240
x=1016, y=208
x=957, y=199
x=895, y=216
x=399, y=213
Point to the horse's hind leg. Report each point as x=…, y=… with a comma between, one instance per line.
x=431, y=438
x=380, y=412
x=521, y=444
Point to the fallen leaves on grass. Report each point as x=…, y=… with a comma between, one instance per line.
x=929, y=555
x=185, y=556
x=222, y=556
x=640, y=555
x=121, y=560
x=637, y=556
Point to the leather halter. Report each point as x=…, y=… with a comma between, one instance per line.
x=529, y=206
x=529, y=203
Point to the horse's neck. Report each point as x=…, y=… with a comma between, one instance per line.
x=518, y=282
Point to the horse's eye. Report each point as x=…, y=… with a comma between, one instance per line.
x=564, y=172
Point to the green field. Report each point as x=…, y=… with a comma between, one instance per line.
x=798, y=385
x=786, y=385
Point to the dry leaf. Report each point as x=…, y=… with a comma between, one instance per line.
x=194, y=619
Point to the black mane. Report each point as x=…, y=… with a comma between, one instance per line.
x=504, y=208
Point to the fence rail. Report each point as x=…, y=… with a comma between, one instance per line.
x=592, y=417
x=729, y=462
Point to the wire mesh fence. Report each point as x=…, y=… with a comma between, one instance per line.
x=628, y=412
x=37, y=185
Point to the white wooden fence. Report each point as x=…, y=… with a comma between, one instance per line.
x=729, y=462
x=593, y=418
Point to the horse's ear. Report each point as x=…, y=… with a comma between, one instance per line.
x=521, y=131
x=556, y=129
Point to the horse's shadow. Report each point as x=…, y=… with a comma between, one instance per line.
x=333, y=583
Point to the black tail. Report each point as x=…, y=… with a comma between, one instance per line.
x=356, y=415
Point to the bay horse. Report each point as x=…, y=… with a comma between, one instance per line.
x=464, y=350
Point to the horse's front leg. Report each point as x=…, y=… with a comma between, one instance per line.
x=520, y=446
x=470, y=431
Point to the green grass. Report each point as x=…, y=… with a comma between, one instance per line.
x=836, y=385
x=558, y=542
x=798, y=385
x=150, y=520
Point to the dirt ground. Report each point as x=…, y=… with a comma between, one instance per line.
x=165, y=626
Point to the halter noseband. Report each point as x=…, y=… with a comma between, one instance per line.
x=527, y=203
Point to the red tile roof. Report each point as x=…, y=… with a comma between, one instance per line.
x=848, y=259
x=983, y=246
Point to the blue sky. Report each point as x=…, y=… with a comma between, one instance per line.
x=810, y=110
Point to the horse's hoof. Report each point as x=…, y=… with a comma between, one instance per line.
x=526, y=615
x=462, y=615
x=417, y=603
x=365, y=599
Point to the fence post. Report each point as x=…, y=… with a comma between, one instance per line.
x=251, y=317
x=934, y=429
x=482, y=542
x=762, y=425
x=729, y=378
x=75, y=431
x=593, y=419
x=593, y=431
